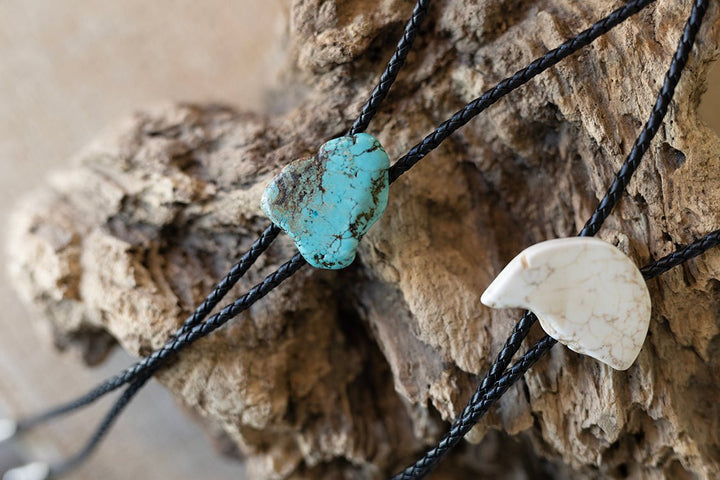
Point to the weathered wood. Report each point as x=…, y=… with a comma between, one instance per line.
x=351, y=372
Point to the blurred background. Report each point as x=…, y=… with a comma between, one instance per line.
x=67, y=70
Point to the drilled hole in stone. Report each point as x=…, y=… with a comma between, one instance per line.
x=710, y=103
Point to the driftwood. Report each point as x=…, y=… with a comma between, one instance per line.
x=355, y=372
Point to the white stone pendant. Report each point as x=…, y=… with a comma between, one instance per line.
x=586, y=293
x=8, y=428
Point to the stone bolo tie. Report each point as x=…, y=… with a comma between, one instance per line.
x=585, y=292
x=327, y=202
x=587, y=295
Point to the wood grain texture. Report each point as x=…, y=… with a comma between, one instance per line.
x=353, y=373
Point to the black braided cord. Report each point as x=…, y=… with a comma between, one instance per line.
x=210, y=302
x=642, y=143
x=102, y=429
x=142, y=371
x=681, y=255
x=392, y=69
x=368, y=111
x=519, y=78
x=506, y=86
x=236, y=273
x=269, y=234
x=494, y=385
x=481, y=403
x=293, y=265
x=521, y=329
x=489, y=391
x=192, y=330
x=153, y=362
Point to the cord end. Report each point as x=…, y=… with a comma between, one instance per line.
x=31, y=471
x=8, y=429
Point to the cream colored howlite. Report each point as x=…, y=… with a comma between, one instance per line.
x=587, y=294
x=8, y=428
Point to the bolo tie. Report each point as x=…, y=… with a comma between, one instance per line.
x=583, y=292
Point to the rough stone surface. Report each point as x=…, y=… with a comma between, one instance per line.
x=350, y=373
x=586, y=294
x=327, y=202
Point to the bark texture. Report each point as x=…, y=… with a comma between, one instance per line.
x=352, y=374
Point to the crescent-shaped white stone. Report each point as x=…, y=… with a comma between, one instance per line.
x=586, y=293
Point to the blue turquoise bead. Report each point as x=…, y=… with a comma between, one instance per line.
x=328, y=201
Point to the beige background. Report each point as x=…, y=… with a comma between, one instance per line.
x=68, y=69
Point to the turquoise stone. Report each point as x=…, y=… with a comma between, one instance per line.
x=327, y=202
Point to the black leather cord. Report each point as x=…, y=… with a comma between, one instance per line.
x=521, y=77
x=261, y=244
x=142, y=371
x=431, y=141
x=192, y=329
x=101, y=431
x=392, y=69
x=482, y=401
x=493, y=385
x=681, y=255
x=268, y=235
x=236, y=273
x=483, y=398
x=154, y=361
x=642, y=143
x=210, y=302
